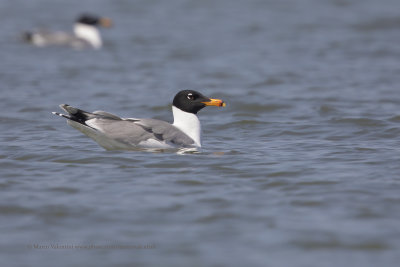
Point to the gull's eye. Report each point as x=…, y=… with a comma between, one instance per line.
x=190, y=96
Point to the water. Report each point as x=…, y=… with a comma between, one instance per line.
x=300, y=169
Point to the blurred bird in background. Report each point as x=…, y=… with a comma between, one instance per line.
x=85, y=34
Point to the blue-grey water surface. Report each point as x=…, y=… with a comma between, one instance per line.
x=302, y=168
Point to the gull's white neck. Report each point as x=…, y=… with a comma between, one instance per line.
x=187, y=123
x=88, y=33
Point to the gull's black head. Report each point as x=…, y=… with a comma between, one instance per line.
x=94, y=20
x=192, y=101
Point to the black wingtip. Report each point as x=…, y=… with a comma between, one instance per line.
x=71, y=110
x=62, y=115
x=75, y=114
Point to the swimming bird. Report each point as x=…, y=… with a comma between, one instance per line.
x=85, y=34
x=115, y=133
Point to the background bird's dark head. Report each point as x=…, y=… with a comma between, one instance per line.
x=88, y=19
x=94, y=20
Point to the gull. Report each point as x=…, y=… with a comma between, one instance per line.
x=115, y=133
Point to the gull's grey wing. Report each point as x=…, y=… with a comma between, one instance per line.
x=134, y=132
x=121, y=130
x=165, y=131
